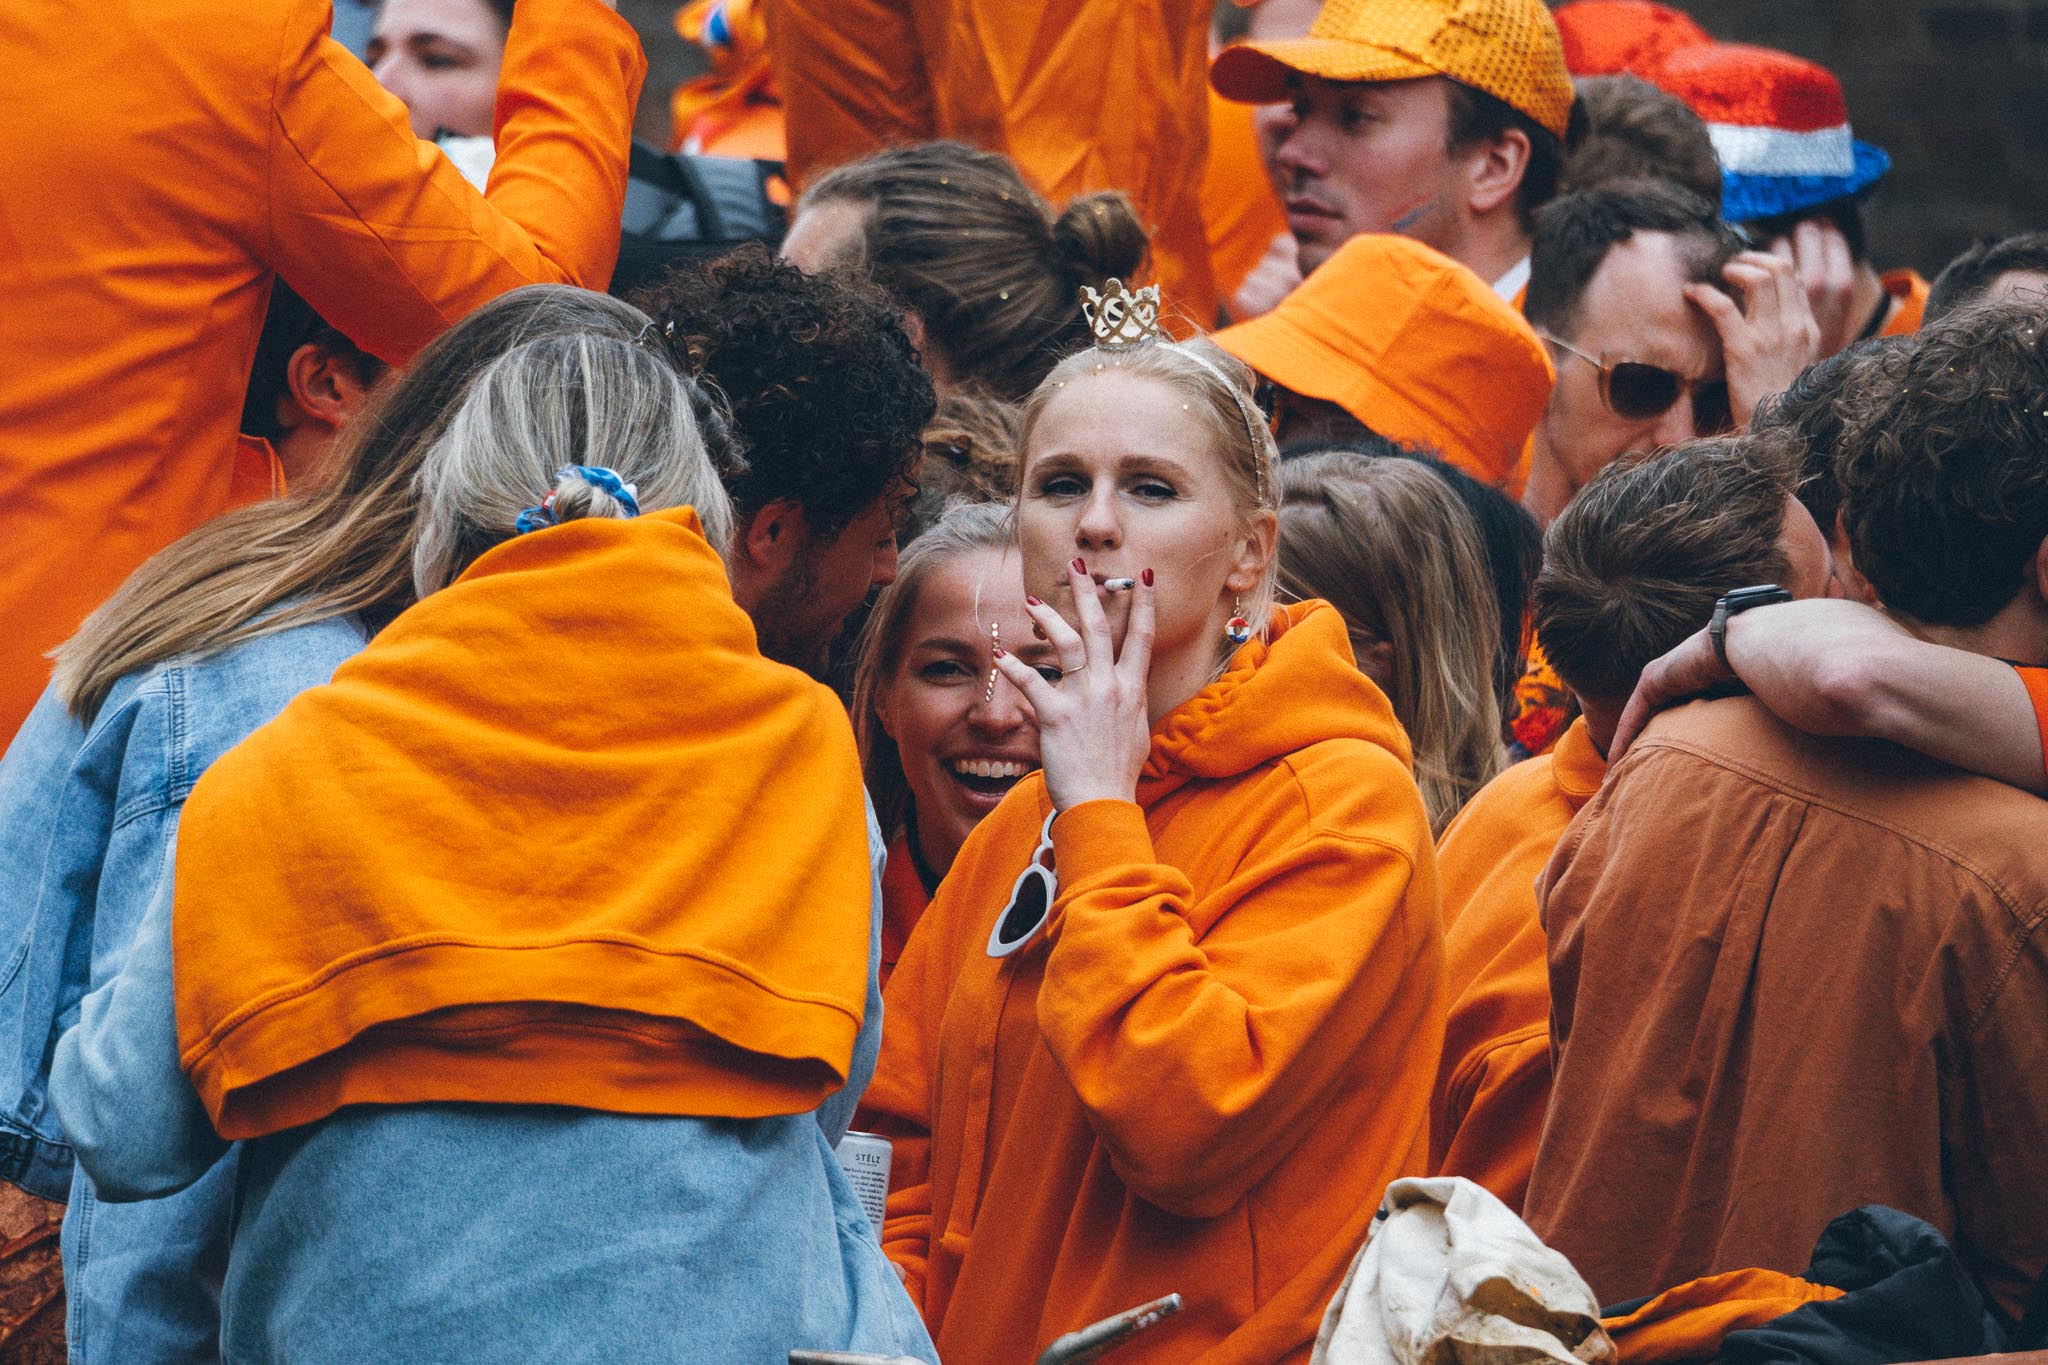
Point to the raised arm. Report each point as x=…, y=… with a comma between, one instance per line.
x=383, y=236
x=1840, y=668
x=853, y=80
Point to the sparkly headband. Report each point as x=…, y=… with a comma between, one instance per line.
x=1125, y=321
x=542, y=514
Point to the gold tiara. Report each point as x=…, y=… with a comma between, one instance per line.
x=1119, y=318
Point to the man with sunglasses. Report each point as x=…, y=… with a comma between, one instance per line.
x=1662, y=327
x=1793, y=974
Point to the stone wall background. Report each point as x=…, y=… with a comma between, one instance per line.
x=1953, y=89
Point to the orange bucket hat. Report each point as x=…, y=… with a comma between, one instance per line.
x=1507, y=48
x=1412, y=344
x=1610, y=37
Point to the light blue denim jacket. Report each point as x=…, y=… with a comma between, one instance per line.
x=480, y=1232
x=87, y=820
x=87, y=823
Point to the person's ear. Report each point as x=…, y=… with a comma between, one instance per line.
x=773, y=538
x=1375, y=657
x=1854, y=584
x=2041, y=569
x=1494, y=170
x=1254, y=551
x=880, y=703
x=320, y=387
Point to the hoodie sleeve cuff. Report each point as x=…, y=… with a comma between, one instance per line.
x=1099, y=836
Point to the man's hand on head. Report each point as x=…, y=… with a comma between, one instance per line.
x=1820, y=254
x=1768, y=337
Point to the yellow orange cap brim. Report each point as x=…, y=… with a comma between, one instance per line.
x=1256, y=73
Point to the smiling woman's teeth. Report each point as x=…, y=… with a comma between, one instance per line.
x=978, y=767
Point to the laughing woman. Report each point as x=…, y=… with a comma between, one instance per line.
x=941, y=739
x=1189, y=1050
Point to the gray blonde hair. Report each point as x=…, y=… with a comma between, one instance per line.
x=1219, y=390
x=1388, y=544
x=345, y=547
x=580, y=399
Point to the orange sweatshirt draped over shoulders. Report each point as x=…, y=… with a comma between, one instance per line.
x=558, y=835
x=165, y=161
x=1202, y=1077
x=1081, y=95
x=1493, y=1086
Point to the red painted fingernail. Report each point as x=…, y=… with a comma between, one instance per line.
x=1033, y=601
x=1079, y=567
x=1147, y=576
x=999, y=651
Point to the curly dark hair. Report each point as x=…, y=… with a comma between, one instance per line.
x=1944, y=488
x=1807, y=419
x=823, y=384
x=1969, y=277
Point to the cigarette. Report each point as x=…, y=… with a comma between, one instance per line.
x=1119, y=584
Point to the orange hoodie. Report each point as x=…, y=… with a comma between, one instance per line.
x=1202, y=1077
x=558, y=835
x=1494, y=1084
x=164, y=162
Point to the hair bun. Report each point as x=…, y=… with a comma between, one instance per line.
x=1099, y=237
x=576, y=497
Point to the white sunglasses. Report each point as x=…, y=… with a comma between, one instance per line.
x=1031, y=899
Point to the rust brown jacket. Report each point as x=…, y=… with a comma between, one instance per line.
x=1791, y=976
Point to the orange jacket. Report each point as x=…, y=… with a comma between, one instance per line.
x=1493, y=1086
x=1203, y=1076
x=516, y=871
x=903, y=902
x=1690, y=1322
x=164, y=161
x=1240, y=209
x=1083, y=95
x=1910, y=289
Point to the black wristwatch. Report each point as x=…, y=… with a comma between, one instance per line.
x=1734, y=604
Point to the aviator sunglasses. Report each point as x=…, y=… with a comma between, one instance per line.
x=1637, y=392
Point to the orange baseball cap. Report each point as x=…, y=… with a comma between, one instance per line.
x=1412, y=344
x=1507, y=48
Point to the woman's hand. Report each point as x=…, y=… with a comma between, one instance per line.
x=1094, y=725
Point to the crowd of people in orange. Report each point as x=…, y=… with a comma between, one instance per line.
x=1343, y=673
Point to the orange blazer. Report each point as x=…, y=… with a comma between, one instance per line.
x=1083, y=95
x=1493, y=1086
x=165, y=162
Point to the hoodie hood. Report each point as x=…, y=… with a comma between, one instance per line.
x=1297, y=685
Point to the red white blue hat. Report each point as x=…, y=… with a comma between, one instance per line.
x=1780, y=127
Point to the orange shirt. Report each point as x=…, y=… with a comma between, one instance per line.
x=1239, y=208
x=1494, y=1082
x=167, y=160
x=1204, y=1073
x=1911, y=291
x=1082, y=95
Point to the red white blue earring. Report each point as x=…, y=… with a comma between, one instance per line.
x=1238, y=630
